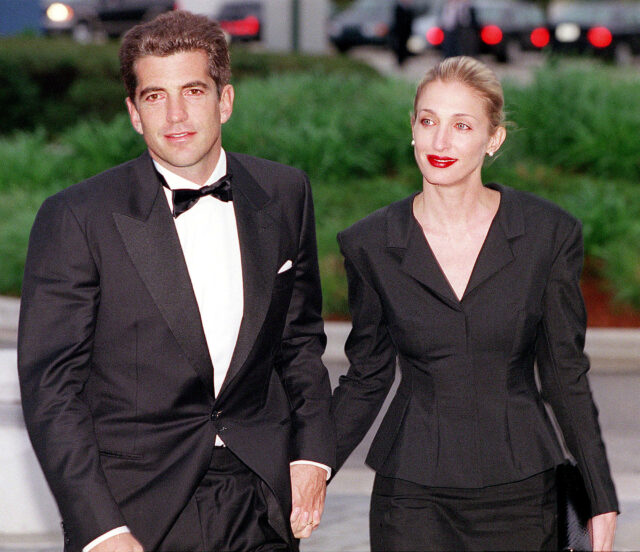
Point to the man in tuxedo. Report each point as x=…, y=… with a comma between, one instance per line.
x=170, y=330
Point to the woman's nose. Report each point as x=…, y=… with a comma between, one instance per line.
x=442, y=138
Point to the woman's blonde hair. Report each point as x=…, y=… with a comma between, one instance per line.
x=474, y=74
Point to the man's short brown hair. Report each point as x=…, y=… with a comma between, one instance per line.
x=171, y=33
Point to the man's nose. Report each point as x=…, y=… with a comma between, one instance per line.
x=176, y=110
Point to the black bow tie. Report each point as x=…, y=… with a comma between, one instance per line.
x=184, y=199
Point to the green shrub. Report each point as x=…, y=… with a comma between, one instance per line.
x=331, y=126
x=56, y=83
x=580, y=119
x=351, y=134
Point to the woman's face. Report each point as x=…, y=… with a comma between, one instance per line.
x=452, y=134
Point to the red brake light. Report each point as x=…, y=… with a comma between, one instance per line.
x=435, y=36
x=248, y=26
x=599, y=37
x=539, y=37
x=491, y=35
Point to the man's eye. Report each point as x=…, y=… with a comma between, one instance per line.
x=194, y=92
x=152, y=97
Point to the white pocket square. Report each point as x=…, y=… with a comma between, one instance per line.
x=286, y=266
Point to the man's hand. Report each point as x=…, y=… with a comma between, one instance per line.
x=308, y=489
x=603, y=530
x=124, y=542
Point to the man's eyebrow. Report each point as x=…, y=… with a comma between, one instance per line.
x=154, y=88
x=149, y=89
x=193, y=84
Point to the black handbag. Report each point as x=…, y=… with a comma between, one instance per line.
x=574, y=510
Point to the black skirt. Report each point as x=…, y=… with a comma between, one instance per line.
x=407, y=517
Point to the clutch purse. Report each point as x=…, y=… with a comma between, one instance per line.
x=574, y=510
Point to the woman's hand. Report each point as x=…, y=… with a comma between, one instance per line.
x=602, y=529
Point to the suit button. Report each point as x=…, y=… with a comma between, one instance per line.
x=215, y=415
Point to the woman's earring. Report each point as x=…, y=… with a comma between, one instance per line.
x=490, y=154
x=413, y=142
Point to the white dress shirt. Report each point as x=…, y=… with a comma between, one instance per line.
x=209, y=238
x=208, y=235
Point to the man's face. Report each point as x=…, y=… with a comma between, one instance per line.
x=178, y=112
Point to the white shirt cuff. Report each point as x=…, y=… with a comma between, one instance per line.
x=310, y=463
x=108, y=535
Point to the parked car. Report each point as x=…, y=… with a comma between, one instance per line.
x=368, y=22
x=607, y=29
x=241, y=20
x=504, y=29
x=87, y=20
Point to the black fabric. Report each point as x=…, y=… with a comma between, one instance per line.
x=468, y=412
x=407, y=517
x=185, y=198
x=128, y=432
x=228, y=512
x=573, y=510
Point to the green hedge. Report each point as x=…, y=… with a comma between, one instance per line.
x=55, y=83
x=351, y=134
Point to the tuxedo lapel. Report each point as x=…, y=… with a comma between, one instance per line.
x=258, y=233
x=152, y=242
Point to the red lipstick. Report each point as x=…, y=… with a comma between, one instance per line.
x=441, y=162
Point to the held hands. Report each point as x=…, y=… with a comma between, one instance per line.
x=124, y=542
x=308, y=489
x=602, y=529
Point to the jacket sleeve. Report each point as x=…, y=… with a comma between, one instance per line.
x=59, y=300
x=305, y=377
x=372, y=361
x=563, y=368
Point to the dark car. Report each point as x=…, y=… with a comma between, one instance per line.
x=368, y=22
x=607, y=29
x=87, y=20
x=503, y=28
x=241, y=20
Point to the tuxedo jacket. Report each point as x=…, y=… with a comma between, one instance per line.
x=115, y=373
x=468, y=412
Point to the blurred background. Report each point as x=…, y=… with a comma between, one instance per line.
x=328, y=87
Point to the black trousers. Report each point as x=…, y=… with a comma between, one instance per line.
x=227, y=513
x=407, y=517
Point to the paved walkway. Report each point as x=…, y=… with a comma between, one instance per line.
x=615, y=379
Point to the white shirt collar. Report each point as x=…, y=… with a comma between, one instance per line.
x=175, y=181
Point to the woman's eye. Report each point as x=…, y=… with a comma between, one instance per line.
x=462, y=126
x=426, y=122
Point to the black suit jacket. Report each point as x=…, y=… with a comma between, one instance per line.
x=116, y=378
x=468, y=412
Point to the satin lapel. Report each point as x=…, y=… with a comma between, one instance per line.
x=258, y=233
x=421, y=264
x=154, y=248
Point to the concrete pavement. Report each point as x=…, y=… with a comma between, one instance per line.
x=615, y=379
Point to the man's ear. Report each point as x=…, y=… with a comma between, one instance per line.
x=226, y=103
x=134, y=116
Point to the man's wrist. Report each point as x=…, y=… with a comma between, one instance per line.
x=311, y=463
x=107, y=535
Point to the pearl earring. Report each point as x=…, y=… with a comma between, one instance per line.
x=490, y=154
x=413, y=142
